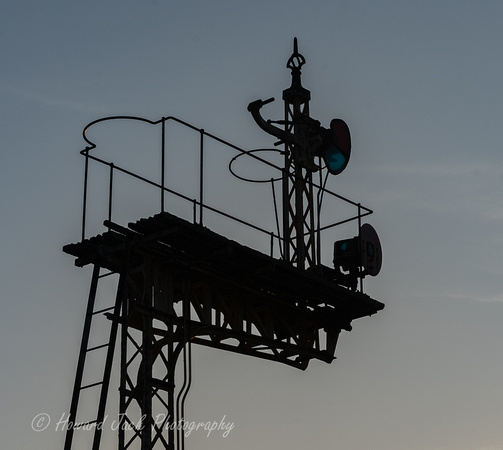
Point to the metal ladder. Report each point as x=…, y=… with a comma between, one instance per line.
x=85, y=350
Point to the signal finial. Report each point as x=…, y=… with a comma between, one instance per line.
x=296, y=92
x=296, y=61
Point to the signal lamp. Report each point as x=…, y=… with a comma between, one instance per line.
x=358, y=256
x=347, y=253
x=336, y=146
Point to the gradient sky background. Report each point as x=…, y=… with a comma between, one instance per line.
x=420, y=85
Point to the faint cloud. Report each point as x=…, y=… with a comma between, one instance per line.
x=49, y=101
x=472, y=188
x=498, y=298
x=443, y=170
x=490, y=447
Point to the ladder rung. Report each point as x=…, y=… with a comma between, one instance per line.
x=97, y=347
x=103, y=310
x=110, y=316
x=87, y=386
x=84, y=424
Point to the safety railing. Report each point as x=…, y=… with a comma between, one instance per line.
x=200, y=206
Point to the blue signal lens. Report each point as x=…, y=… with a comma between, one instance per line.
x=336, y=147
x=335, y=160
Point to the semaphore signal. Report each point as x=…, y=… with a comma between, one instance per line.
x=179, y=283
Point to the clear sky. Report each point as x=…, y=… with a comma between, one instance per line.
x=420, y=85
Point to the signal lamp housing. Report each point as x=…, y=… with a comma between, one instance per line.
x=335, y=148
x=358, y=256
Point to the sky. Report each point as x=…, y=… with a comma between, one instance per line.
x=419, y=84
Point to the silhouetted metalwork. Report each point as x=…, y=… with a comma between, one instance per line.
x=179, y=283
x=305, y=141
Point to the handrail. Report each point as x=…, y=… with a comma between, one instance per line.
x=198, y=204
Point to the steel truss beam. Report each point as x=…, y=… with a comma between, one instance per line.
x=182, y=284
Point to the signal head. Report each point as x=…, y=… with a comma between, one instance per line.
x=359, y=256
x=336, y=146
